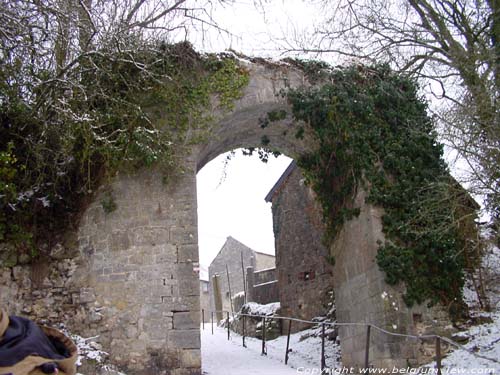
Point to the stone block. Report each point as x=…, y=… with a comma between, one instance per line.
x=159, y=334
x=117, y=277
x=87, y=295
x=184, y=339
x=167, y=254
x=183, y=236
x=131, y=331
x=186, y=303
x=150, y=236
x=186, y=319
x=123, y=268
x=161, y=290
x=119, y=240
x=190, y=358
x=190, y=280
x=187, y=254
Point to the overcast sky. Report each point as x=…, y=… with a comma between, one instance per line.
x=257, y=31
x=234, y=205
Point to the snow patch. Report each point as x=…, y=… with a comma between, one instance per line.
x=254, y=308
x=88, y=349
x=484, y=341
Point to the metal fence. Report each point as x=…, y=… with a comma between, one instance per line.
x=438, y=339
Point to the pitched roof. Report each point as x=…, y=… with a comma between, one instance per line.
x=234, y=241
x=281, y=180
x=230, y=239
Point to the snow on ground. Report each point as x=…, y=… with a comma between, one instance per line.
x=305, y=356
x=485, y=342
x=484, y=339
x=305, y=353
x=88, y=349
x=221, y=357
x=305, y=349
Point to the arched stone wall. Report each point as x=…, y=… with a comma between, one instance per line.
x=143, y=257
x=139, y=264
x=241, y=128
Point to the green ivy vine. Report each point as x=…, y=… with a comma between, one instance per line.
x=113, y=110
x=373, y=132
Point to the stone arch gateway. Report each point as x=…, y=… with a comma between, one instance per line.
x=142, y=259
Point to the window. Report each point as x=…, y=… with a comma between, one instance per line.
x=307, y=275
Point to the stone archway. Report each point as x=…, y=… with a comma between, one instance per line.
x=143, y=257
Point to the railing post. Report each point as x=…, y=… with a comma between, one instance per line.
x=244, y=321
x=264, y=336
x=288, y=341
x=203, y=319
x=323, y=361
x=228, y=331
x=367, y=353
x=212, y=320
x=438, y=354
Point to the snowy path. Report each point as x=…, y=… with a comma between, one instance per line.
x=222, y=357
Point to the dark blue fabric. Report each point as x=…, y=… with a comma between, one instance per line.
x=23, y=338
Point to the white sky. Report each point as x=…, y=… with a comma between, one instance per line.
x=256, y=31
x=234, y=205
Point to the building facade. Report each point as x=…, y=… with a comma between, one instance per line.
x=305, y=272
x=229, y=266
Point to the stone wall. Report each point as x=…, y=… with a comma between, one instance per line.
x=230, y=255
x=363, y=296
x=264, y=261
x=130, y=276
x=304, y=272
x=254, y=325
x=143, y=261
x=53, y=291
x=264, y=275
x=262, y=287
x=266, y=293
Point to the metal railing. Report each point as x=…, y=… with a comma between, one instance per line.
x=438, y=339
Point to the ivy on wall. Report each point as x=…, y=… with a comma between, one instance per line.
x=373, y=132
x=63, y=136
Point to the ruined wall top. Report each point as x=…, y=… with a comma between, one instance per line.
x=241, y=127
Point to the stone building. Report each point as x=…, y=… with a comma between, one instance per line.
x=232, y=254
x=305, y=275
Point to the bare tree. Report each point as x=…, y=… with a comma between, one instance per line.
x=451, y=45
x=70, y=27
x=76, y=80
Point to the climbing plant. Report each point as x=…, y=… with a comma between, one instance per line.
x=373, y=133
x=62, y=134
